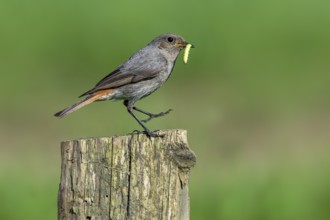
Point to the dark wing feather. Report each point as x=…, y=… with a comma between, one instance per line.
x=132, y=71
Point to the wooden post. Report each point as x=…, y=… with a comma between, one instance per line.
x=126, y=177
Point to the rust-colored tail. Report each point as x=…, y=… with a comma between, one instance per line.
x=89, y=99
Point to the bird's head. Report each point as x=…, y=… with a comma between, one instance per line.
x=172, y=43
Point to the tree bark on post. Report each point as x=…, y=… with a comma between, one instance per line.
x=126, y=177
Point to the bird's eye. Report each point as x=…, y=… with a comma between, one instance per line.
x=170, y=39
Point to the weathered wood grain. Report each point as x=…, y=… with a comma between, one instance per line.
x=126, y=177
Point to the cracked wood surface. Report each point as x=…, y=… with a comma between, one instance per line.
x=126, y=177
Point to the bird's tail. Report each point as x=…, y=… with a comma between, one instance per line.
x=89, y=99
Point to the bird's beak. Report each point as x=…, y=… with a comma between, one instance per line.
x=183, y=44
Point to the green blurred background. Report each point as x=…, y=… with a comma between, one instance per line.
x=254, y=98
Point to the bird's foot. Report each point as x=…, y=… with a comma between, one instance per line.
x=149, y=133
x=151, y=116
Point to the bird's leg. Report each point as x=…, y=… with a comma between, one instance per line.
x=151, y=115
x=147, y=131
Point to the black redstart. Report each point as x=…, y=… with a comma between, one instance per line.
x=138, y=77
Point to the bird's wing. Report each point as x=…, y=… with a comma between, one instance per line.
x=136, y=69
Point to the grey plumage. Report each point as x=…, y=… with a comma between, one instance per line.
x=138, y=77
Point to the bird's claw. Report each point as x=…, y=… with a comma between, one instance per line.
x=149, y=133
x=151, y=116
x=153, y=134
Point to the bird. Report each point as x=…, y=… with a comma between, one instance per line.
x=138, y=77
